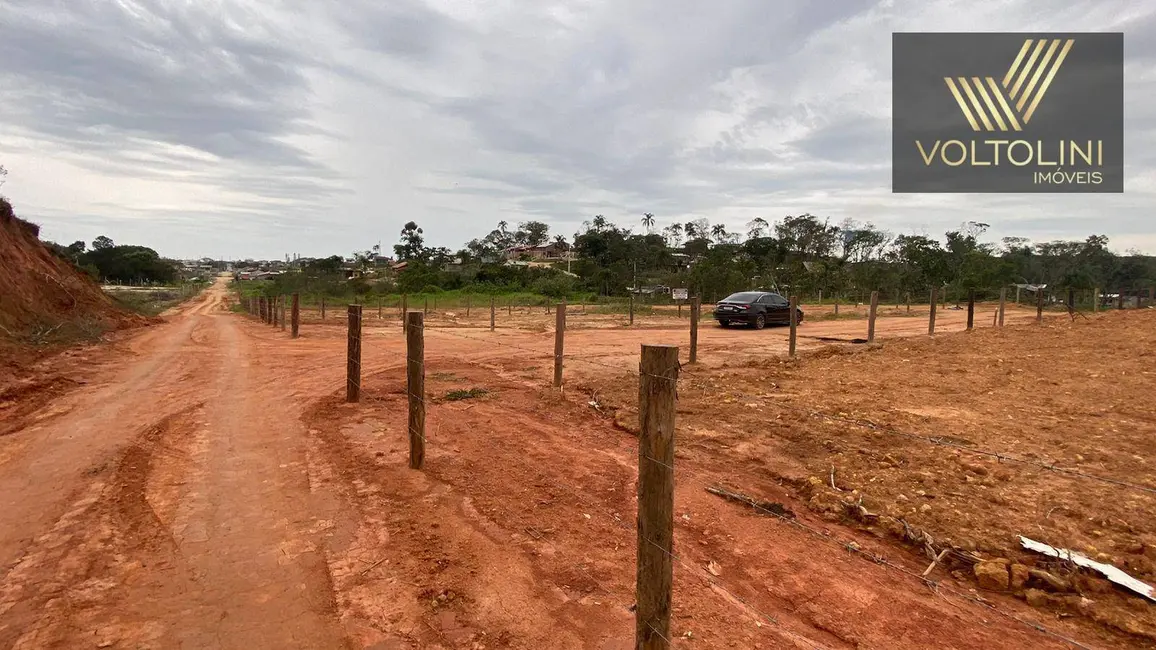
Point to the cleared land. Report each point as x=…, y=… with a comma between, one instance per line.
x=207, y=487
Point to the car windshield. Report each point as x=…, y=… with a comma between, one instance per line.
x=744, y=296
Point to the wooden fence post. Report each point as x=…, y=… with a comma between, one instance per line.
x=871, y=316
x=492, y=310
x=467, y=306
x=296, y=314
x=694, y=309
x=415, y=387
x=1039, y=305
x=404, y=310
x=931, y=316
x=353, y=358
x=1120, y=298
x=820, y=297
x=1071, y=300
x=836, y=307
x=1002, y=302
x=425, y=308
x=655, y=573
x=283, y=301
x=559, y=341
x=380, y=300
x=632, y=309
x=322, y=307
x=794, y=326
x=970, y=308
x=908, y=299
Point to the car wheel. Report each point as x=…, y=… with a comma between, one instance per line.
x=724, y=323
x=760, y=321
x=799, y=318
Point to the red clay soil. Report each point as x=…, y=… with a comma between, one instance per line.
x=209, y=488
x=40, y=289
x=46, y=305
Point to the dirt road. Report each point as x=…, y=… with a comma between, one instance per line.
x=207, y=488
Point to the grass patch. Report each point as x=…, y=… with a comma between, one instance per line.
x=151, y=302
x=460, y=394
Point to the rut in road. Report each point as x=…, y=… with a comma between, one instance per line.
x=180, y=522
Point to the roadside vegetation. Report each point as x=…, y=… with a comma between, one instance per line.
x=804, y=255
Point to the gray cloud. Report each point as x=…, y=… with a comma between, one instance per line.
x=315, y=127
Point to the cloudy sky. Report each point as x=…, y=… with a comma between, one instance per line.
x=256, y=128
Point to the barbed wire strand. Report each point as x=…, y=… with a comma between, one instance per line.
x=850, y=546
x=614, y=519
x=935, y=440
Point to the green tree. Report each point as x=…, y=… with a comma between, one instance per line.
x=412, y=246
x=534, y=233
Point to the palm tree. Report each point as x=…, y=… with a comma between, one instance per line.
x=560, y=241
x=599, y=222
x=719, y=232
x=691, y=230
x=648, y=221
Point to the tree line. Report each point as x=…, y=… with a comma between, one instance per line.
x=801, y=254
x=120, y=264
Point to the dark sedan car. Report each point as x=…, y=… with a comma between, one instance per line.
x=757, y=308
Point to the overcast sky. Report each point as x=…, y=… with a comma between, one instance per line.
x=259, y=128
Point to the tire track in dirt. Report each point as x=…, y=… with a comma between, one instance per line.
x=49, y=456
x=243, y=524
x=69, y=587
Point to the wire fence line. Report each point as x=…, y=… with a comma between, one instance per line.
x=935, y=440
x=819, y=534
x=705, y=481
x=615, y=520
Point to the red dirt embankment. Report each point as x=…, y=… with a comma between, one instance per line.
x=46, y=303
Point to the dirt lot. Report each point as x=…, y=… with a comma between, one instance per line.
x=207, y=486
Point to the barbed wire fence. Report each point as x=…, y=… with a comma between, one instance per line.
x=415, y=364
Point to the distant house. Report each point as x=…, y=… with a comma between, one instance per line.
x=553, y=252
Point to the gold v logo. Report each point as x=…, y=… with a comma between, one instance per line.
x=989, y=106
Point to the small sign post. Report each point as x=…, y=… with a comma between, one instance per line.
x=679, y=295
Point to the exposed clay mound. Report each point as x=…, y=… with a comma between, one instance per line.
x=41, y=294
